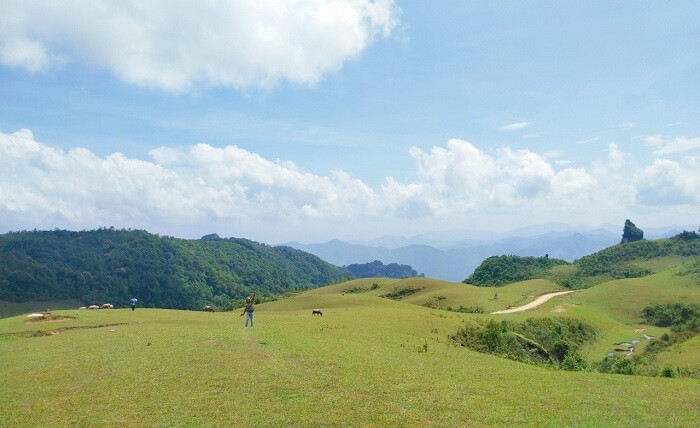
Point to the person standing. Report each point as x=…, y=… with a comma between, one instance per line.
x=249, y=309
x=132, y=302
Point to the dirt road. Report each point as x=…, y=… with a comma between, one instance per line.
x=535, y=303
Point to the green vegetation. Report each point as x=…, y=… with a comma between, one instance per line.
x=626, y=261
x=687, y=235
x=501, y=270
x=377, y=269
x=630, y=260
x=361, y=289
x=409, y=359
x=400, y=293
x=678, y=316
x=535, y=340
x=108, y=265
x=468, y=309
x=684, y=322
x=367, y=362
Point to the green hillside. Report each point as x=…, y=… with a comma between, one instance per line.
x=629, y=260
x=109, y=265
x=378, y=356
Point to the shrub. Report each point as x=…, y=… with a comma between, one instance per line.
x=671, y=314
x=470, y=309
x=533, y=340
x=668, y=371
x=400, y=293
x=617, y=364
x=573, y=362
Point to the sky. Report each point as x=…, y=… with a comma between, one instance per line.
x=309, y=120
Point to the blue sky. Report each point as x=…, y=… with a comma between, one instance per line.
x=310, y=120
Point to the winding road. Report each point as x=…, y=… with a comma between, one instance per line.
x=535, y=303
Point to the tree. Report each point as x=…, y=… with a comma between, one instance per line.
x=631, y=233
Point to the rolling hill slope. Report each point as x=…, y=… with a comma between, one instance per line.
x=368, y=361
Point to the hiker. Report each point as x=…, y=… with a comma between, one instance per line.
x=132, y=302
x=249, y=309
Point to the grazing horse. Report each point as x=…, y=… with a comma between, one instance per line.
x=316, y=312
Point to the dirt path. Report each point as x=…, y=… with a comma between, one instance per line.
x=535, y=303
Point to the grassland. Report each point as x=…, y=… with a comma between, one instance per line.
x=369, y=361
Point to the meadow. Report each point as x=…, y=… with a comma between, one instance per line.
x=368, y=361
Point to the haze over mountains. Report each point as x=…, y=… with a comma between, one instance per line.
x=454, y=255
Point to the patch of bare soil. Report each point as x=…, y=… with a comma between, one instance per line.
x=558, y=309
x=41, y=333
x=47, y=317
x=540, y=300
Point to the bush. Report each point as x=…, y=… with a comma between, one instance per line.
x=469, y=309
x=668, y=371
x=533, y=340
x=672, y=314
x=617, y=364
x=573, y=362
x=400, y=293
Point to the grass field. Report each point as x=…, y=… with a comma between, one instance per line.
x=368, y=361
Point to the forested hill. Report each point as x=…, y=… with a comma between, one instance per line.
x=109, y=265
x=377, y=269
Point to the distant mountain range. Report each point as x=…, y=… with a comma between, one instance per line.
x=454, y=255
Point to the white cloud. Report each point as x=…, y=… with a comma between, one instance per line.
x=627, y=125
x=589, y=140
x=664, y=146
x=668, y=183
x=182, y=186
x=234, y=191
x=616, y=157
x=462, y=178
x=180, y=45
x=515, y=126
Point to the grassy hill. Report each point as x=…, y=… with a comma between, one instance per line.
x=368, y=361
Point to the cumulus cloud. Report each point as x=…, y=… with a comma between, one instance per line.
x=668, y=183
x=201, y=186
x=515, y=126
x=462, y=178
x=664, y=146
x=176, y=46
x=180, y=186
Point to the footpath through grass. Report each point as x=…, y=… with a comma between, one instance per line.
x=366, y=362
